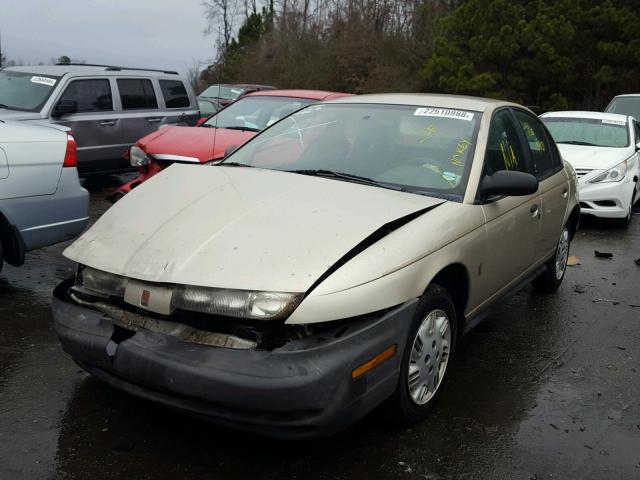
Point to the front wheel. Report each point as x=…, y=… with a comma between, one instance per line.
x=549, y=281
x=429, y=349
x=625, y=222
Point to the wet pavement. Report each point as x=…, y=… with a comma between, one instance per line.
x=546, y=387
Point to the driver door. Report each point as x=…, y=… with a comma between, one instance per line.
x=512, y=222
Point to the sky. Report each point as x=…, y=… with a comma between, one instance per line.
x=166, y=34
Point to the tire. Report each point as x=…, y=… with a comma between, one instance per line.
x=626, y=221
x=1, y=255
x=115, y=197
x=420, y=381
x=550, y=280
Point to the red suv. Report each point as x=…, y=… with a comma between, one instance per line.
x=213, y=139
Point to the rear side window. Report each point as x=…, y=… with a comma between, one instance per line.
x=90, y=95
x=174, y=93
x=504, y=149
x=137, y=94
x=542, y=157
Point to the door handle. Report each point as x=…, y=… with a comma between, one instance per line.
x=154, y=119
x=565, y=193
x=535, y=211
x=108, y=123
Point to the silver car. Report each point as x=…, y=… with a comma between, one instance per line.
x=41, y=200
x=107, y=108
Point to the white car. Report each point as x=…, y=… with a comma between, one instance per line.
x=41, y=199
x=603, y=149
x=328, y=265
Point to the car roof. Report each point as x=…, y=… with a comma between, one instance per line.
x=584, y=114
x=628, y=95
x=461, y=102
x=309, y=94
x=60, y=70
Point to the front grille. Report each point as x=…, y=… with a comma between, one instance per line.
x=584, y=205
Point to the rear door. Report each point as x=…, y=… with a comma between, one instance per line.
x=512, y=223
x=553, y=183
x=179, y=107
x=94, y=124
x=141, y=113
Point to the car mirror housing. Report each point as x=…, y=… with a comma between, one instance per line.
x=509, y=183
x=638, y=147
x=65, y=107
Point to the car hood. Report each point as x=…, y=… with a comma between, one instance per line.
x=199, y=142
x=592, y=158
x=241, y=228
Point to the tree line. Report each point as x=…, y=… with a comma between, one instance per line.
x=555, y=54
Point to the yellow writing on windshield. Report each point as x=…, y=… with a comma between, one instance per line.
x=429, y=132
x=457, y=158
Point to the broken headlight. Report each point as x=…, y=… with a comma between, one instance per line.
x=102, y=282
x=138, y=157
x=236, y=303
x=614, y=174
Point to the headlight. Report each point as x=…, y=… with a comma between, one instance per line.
x=236, y=303
x=614, y=174
x=103, y=282
x=138, y=157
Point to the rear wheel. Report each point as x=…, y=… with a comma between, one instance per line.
x=427, y=354
x=549, y=281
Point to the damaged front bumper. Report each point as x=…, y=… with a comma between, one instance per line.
x=301, y=389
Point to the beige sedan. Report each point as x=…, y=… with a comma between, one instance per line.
x=327, y=266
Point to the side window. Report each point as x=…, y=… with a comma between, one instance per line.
x=137, y=94
x=504, y=149
x=90, y=95
x=174, y=93
x=542, y=157
x=636, y=128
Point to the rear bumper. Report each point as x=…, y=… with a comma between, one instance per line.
x=48, y=219
x=303, y=389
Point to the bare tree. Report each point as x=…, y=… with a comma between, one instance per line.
x=221, y=15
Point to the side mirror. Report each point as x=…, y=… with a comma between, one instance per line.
x=201, y=121
x=510, y=183
x=638, y=147
x=65, y=107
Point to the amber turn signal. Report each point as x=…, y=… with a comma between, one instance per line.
x=374, y=362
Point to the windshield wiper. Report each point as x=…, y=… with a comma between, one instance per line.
x=2, y=105
x=233, y=164
x=347, y=177
x=577, y=142
x=244, y=129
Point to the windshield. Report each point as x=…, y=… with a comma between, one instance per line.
x=417, y=149
x=625, y=106
x=25, y=91
x=220, y=91
x=588, y=131
x=256, y=113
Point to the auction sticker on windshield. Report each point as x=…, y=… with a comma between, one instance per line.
x=44, y=81
x=443, y=112
x=614, y=122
